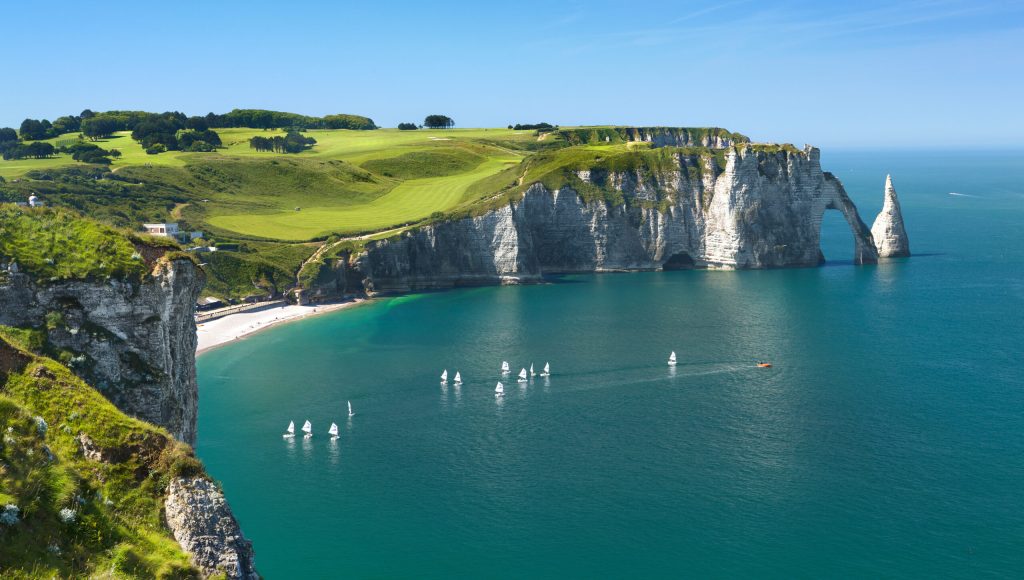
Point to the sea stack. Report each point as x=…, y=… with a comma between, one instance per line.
x=888, y=231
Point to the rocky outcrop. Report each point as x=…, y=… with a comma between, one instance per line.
x=203, y=524
x=134, y=342
x=763, y=210
x=888, y=231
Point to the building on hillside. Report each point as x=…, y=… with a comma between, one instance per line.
x=170, y=230
x=209, y=303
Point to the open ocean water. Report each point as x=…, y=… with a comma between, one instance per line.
x=887, y=441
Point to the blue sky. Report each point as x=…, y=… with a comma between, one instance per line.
x=841, y=74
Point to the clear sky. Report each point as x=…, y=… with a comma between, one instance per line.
x=847, y=73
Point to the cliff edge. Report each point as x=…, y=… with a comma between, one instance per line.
x=746, y=206
x=97, y=340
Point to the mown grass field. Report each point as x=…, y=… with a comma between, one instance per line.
x=410, y=200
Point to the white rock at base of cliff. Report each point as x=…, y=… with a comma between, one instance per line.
x=202, y=523
x=888, y=231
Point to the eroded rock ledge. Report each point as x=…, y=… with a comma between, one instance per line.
x=201, y=521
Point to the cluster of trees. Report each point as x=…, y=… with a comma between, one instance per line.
x=263, y=119
x=89, y=153
x=407, y=127
x=35, y=150
x=534, y=127
x=292, y=142
x=438, y=122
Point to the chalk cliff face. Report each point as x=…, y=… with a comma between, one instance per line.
x=763, y=210
x=134, y=342
x=888, y=231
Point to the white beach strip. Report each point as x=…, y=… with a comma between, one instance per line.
x=235, y=326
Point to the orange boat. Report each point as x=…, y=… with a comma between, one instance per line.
x=764, y=365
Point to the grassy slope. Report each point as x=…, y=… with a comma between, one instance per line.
x=54, y=243
x=117, y=525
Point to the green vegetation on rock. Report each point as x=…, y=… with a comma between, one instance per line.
x=65, y=512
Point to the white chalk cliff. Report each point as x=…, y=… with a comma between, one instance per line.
x=763, y=210
x=888, y=231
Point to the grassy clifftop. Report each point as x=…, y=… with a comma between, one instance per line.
x=81, y=484
x=58, y=244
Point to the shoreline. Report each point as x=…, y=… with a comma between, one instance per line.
x=234, y=327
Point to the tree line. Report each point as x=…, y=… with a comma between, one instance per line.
x=292, y=142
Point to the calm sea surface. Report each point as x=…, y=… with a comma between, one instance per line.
x=887, y=441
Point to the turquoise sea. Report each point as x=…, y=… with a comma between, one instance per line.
x=887, y=441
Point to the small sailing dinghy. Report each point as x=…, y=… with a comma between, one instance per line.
x=350, y=413
x=458, y=378
x=504, y=367
x=444, y=376
x=499, y=390
x=291, y=430
x=522, y=376
x=532, y=374
x=308, y=430
x=672, y=359
x=547, y=370
x=333, y=432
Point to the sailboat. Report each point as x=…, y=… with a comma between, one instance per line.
x=532, y=374
x=350, y=413
x=458, y=378
x=672, y=359
x=499, y=390
x=291, y=430
x=308, y=429
x=547, y=370
x=522, y=376
x=333, y=431
x=504, y=367
x=444, y=376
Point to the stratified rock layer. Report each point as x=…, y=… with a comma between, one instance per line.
x=763, y=210
x=888, y=231
x=134, y=342
x=203, y=524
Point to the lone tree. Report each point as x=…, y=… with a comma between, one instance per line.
x=438, y=122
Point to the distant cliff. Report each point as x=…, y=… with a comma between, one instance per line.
x=749, y=206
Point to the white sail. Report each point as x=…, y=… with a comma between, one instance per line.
x=504, y=366
x=444, y=376
x=547, y=370
x=672, y=358
x=522, y=376
x=350, y=413
x=291, y=430
x=307, y=427
x=333, y=430
x=458, y=378
x=499, y=390
x=531, y=370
